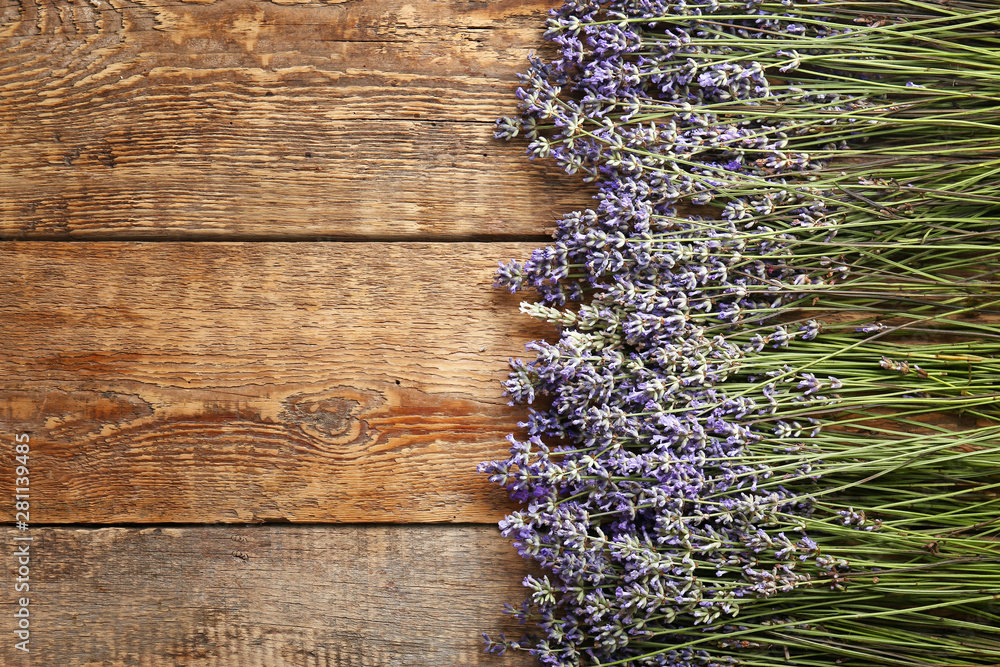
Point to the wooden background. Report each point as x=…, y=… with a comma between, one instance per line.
x=248, y=324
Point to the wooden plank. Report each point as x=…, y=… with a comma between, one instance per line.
x=248, y=120
x=303, y=382
x=267, y=596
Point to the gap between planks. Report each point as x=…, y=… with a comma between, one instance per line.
x=285, y=237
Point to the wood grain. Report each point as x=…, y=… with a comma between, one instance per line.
x=243, y=382
x=266, y=596
x=250, y=120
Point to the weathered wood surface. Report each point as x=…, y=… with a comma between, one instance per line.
x=218, y=382
x=241, y=119
x=266, y=596
x=259, y=382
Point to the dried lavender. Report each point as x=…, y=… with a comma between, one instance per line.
x=767, y=432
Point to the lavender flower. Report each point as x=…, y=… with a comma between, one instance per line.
x=681, y=442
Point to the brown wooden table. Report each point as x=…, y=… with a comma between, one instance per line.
x=248, y=326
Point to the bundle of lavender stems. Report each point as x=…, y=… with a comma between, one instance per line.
x=768, y=433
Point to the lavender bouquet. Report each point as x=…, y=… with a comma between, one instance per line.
x=769, y=430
